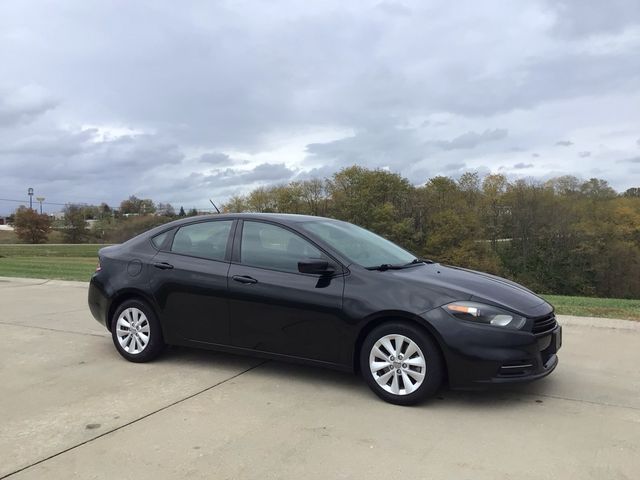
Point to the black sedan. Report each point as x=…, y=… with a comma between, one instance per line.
x=322, y=292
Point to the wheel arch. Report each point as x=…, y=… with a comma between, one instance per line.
x=384, y=317
x=125, y=295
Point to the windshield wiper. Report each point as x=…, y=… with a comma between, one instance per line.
x=386, y=266
x=390, y=266
x=415, y=261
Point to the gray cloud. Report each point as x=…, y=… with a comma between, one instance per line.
x=630, y=160
x=564, y=143
x=372, y=147
x=23, y=104
x=584, y=154
x=472, y=139
x=522, y=166
x=586, y=18
x=394, y=8
x=215, y=159
x=265, y=173
x=455, y=166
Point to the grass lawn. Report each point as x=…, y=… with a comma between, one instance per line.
x=63, y=262
x=7, y=236
x=596, y=307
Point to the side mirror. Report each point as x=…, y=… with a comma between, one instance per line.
x=321, y=267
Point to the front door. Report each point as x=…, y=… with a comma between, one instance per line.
x=276, y=309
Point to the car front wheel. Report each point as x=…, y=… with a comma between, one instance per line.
x=136, y=332
x=401, y=363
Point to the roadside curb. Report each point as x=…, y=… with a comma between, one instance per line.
x=34, y=282
x=599, y=322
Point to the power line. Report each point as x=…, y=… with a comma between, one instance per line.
x=25, y=201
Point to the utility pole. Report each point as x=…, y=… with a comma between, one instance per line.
x=30, y=192
x=40, y=200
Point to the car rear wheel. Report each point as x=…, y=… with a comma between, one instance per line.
x=136, y=332
x=401, y=363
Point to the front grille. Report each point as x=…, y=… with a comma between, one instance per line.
x=544, y=324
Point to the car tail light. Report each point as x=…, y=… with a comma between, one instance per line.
x=98, y=266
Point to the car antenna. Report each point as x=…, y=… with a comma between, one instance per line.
x=214, y=206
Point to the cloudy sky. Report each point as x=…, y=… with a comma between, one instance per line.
x=185, y=101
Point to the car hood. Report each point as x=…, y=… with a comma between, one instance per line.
x=463, y=284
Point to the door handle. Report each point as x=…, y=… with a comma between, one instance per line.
x=163, y=265
x=244, y=279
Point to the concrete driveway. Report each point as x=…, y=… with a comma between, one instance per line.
x=70, y=407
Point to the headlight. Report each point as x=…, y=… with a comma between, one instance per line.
x=481, y=313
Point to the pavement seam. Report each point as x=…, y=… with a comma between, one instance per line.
x=161, y=409
x=579, y=400
x=39, y=315
x=101, y=335
x=26, y=285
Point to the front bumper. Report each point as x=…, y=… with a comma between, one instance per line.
x=478, y=355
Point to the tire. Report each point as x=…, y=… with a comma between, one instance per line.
x=142, y=317
x=421, y=372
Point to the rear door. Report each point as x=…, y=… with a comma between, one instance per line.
x=190, y=282
x=276, y=309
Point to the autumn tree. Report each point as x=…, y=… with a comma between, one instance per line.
x=31, y=226
x=375, y=199
x=137, y=206
x=632, y=192
x=105, y=210
x=313, y=195
x=75, y=224
x=564, y=235
x=235, y=204
x=165, y=209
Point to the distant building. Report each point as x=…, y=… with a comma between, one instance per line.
x=4, y=224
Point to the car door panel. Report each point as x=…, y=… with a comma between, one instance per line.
x=192, y=297
x=284, y=312
x=192, y=291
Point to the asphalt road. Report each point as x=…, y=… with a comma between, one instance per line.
x=70, y=407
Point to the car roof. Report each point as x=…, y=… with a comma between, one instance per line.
x=284, y=218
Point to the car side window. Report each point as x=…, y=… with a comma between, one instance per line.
x=204, y=239
x=269, y=246
x=159, y=239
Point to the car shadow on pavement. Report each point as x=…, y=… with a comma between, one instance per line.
x=492, y=397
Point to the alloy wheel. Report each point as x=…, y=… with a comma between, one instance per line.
x=397, y=364
x=133, y=330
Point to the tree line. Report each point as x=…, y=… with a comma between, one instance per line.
x=95, y=223
x=562, y=236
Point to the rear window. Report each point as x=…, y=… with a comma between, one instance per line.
x=204, y=239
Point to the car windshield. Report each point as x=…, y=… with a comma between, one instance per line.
x=357, y=244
